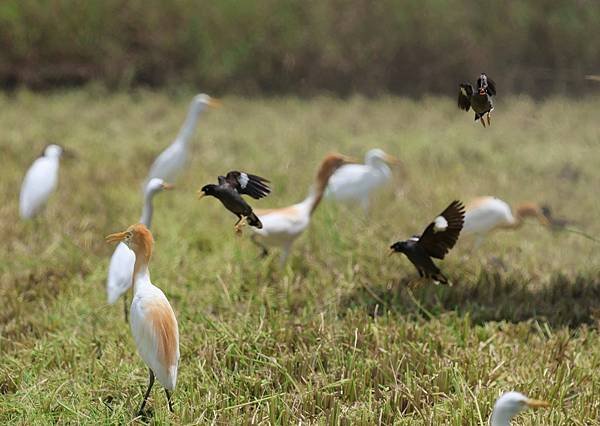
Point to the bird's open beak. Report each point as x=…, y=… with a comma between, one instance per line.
x=116, y=237
x=537, y=403
x=167, y=186
x=392, y=251
x=391, y=159
x=201, y=194
x=214, y=103
x=482, y=91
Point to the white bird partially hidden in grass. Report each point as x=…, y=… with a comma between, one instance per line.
x=153, y=323
x=485, y=214
x=510, y=404
x=120, y=269
x=281, y=227
x=356, y=182
x=172, y=160
x=40, y=182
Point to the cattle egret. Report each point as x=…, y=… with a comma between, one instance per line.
x=39, y=182
x=485, y=214
x=281, y=227
x=172, y=160
x=120, y=269
x=510, y=404
x=152, y=320
x=356, y=182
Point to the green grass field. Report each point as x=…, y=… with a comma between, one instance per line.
x=338, y=336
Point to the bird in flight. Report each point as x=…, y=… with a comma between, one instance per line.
x=480, y=100
x=436, y=241
x=229, y=192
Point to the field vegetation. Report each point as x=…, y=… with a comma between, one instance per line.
x=341, y=335
x=273, y=46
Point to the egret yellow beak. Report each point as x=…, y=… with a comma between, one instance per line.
x=201, y=194
x=537, y=403
x=391, y=159
x=167, y=186
x=214, y=103
x=116, y=237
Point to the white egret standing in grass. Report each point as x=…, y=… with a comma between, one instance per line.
x=485, y=214
x=120, y=269
x=153, y=323
x=172, y=160
x=40, y=182
x=356, y=182
x=281, y=227
x=510, y=404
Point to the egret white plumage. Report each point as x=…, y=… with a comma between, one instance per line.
x=172, y=160
x=40, y=182
x=356, y=182
x=281, y=227
x=510, y=404
x=153, y=323
x=485, y=214
x=120, y=269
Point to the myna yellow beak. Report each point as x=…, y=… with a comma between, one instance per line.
x=201, y=194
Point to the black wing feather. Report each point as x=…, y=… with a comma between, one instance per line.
x=491, y=89
x=464, y=102
x=248, y=184
x=437, y=244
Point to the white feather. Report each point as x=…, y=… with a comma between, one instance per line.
x=244, y=179
x=39, y=183
x=440, y=224
x=486, y=215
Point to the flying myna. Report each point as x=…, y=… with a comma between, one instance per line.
x=480, y=100
x=437, y=239
x=230, y=190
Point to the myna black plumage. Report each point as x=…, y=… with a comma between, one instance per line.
x=437, y=239
x=480, y=100
x=229, y=191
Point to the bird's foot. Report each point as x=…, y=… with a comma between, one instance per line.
x=482, y=122
x=240, y=224
x=489, y=118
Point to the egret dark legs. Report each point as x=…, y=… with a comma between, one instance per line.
x=264, y=250
x=169, y=401
x=140, y=412
x=125, y=310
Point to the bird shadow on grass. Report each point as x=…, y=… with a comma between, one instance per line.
x=493, y=296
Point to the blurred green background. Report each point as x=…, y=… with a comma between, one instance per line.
x=303, y=47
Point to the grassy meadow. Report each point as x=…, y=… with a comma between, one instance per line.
x=339, y=336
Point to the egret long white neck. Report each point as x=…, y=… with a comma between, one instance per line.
x=190, y=123
x=141, y=274
x=147, y=210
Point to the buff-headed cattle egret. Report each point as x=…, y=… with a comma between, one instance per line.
x=436, y=241
x=282, y=226
x=120, y=269
x=153, y=323
x=485, y=214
